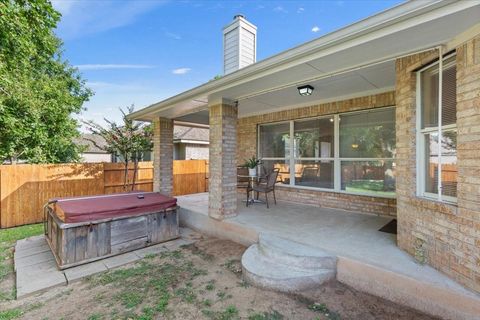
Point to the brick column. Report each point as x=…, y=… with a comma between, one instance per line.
x=163, y=156
x=222, y=200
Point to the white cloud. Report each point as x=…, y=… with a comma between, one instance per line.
x=81, y=18
x=280, y=9
x=112, y=66
x=181, y=70
x=315, y=29
x=173, y=35
x=300, y=10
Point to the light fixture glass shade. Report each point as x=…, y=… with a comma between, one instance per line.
x=305, y=90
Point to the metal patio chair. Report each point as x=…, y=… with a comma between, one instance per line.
x=266, y=188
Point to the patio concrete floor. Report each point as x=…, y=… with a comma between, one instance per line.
x=36, y=269
x=368, y=259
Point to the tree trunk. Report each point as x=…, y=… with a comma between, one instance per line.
x=125, y=175
x=135, y=171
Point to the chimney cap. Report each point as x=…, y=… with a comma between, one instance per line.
x=237, y=16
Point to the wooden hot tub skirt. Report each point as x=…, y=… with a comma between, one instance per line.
x=81, y=242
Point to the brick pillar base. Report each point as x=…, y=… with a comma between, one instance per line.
x=163, y=156
x=222, y=196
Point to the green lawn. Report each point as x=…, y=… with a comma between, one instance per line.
x=13, y=234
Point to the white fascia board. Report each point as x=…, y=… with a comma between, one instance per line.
x=392, y=20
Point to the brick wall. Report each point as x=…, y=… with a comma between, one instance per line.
x=247, y=146
x=375, y=205
x=444, y=236
x=163, y=155
x=222, y=164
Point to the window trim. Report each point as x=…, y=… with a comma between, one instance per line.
x=337, y=170
x=421, y=132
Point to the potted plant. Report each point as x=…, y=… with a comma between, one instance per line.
x=252, y=164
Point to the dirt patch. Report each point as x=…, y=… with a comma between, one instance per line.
x=200, y=281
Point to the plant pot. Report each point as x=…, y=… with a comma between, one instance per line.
x=252, y=172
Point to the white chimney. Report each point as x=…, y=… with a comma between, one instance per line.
x=239, y=44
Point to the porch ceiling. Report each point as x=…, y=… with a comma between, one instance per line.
x=377, y=78
x=353, y=61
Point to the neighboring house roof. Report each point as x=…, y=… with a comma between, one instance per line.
x=356, y=59
x=83, y=140
x=187, y=134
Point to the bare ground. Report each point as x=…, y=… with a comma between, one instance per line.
x=200, y=281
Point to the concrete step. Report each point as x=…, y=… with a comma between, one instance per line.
x=291, y=253
x=261, y=271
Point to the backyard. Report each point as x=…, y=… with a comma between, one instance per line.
x=199, y=281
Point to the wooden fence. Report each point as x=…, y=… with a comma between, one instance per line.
x=24, y=189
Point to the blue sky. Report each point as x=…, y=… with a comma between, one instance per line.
x=140, y=52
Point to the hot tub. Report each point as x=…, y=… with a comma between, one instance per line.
x=85, y=229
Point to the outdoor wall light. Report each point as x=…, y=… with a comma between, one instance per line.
x=305, y=90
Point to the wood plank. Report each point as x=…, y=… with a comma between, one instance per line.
x=130, y=245
x=92, y=242
x=69, y=246
x=53, y=233
x=173, y=224
x=81, y=242
x=104, y=238
x=128, y=229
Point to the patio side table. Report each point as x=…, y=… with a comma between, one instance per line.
x=251, y=181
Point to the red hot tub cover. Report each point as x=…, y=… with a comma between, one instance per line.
x=93, y=208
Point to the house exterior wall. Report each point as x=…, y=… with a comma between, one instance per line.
x=247, y=146
x=96, y=157
x=445, y=236
x=196, y=151
x=178, y=151
x=191, y=151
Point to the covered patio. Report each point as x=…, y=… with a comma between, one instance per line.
x=357, y=128
x=368, y=259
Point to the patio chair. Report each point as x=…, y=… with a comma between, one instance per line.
x=262, y=176
x=242, y=179
x=266, y=188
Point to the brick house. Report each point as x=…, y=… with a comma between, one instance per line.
x=380, y=117
x=190, y=142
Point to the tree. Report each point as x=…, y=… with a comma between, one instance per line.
x=129, y=141
x=39, y=90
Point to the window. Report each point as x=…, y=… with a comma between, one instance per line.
x=367, y=152
x=437, y=132
x=351, y=152
x=313, y=146
x=274, y=146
